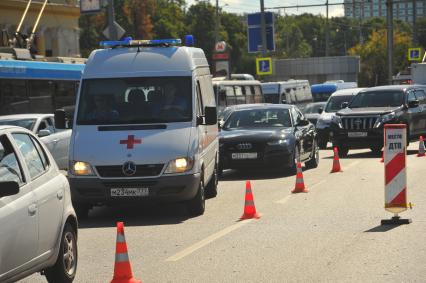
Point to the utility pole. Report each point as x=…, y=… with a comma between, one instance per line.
x=216, y=27
x=361, y=16
x=111, y=21
x=389, y=23
x=327, y=32
x=414, y=23
x=263, y=27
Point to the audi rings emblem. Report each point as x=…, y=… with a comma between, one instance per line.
x=129, y=168
x=244, y=146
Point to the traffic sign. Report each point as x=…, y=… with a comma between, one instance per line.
x=254, y=32
x=414, y=54
x=118, y=28
x=264, y=66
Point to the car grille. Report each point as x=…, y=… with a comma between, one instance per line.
x=245, y=147
x=114, y=171
x=359, y=123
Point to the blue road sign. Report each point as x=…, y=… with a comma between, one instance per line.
x=254, y=32
x=414, y=54
x=264, y=66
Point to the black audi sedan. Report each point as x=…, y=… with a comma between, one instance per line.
x=258, y=136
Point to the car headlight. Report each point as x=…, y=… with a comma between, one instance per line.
x=279, y=142
x=81, y=168
x=337, y=120
x=384, y=119
x=179, y=165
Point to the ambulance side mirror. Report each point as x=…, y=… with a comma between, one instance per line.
x=60, y=119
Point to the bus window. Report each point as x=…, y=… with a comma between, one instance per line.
x=249, y=94
x=257, y=94
x=230, y=95
x=239, y=95
x=13, y=97
x=41, y=94
x=64, y=93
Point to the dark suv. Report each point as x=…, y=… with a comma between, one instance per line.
x=360, y=124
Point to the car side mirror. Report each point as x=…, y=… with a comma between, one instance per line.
x=44, y=133
x=413, y=103
x=8, y=189
x=344, y=104
x=303, y=123
x=210, y=117
x=320, y=110
x=60, y=119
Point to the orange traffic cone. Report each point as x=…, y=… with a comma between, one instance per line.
x=122, y=268
x=421, y=147
x=300, y=184
x=336, y=163
x=383, y=157
x=249, y=208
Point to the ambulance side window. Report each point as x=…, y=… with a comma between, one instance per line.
x=200, y=108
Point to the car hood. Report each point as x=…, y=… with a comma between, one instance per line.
x=255, y=135
x=367, y=111
x=158, y=146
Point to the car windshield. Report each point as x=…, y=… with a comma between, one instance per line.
x=24, y=123
x=392, y=98
x=255, y=118
x=135, y=101
x=334, y=104
x=313, y=108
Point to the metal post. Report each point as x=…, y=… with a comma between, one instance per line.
x=327, y=32
x=32, y=36
x=263, y=27
x=111, y=21
x=216, y=27
x=414, y=23
x=389, y=23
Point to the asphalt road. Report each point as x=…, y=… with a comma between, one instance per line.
x=331, y=234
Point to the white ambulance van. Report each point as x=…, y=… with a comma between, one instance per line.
x=145, y=127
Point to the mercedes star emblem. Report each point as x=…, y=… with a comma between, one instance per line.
x=129, y=168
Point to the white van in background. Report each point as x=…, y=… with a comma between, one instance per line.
x=297, y=92
x=145, y=127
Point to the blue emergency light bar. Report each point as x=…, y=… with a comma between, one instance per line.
x=129, y=42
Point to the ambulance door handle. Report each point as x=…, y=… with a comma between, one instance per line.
x=32, y=209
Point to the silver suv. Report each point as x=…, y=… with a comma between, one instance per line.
x=38, y=223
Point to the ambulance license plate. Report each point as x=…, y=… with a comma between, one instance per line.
x=129, y=192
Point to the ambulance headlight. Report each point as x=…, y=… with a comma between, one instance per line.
x=81, y=168
x=179, y=165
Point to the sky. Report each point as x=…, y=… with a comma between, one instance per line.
x=250, y=6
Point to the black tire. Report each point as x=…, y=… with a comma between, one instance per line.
x=377, y=150
x=197, y=205
x=65, y=266
x=294, y=160
x=82, y=210
x=322, y=143
x=314, y=161
x=211, y=188
x=343, y=151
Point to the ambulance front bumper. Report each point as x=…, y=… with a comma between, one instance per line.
x=168, y=188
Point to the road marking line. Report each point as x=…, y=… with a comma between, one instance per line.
x=286, y=198
x=208, y=240
x=352, y=164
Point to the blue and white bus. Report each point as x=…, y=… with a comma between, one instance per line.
x=321, y=92
x=37, y=87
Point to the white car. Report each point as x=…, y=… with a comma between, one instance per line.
x=38, y=223
x=43, y=125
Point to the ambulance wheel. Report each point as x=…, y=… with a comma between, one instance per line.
x=197, y=205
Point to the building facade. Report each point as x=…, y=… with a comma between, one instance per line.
x=363, y=9
x=57, y=33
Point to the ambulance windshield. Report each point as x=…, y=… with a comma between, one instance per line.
x=135, y=101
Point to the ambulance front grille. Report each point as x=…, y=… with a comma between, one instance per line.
x=116, y=171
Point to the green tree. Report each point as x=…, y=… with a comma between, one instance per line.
x=169, y=19
x=373, y=56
